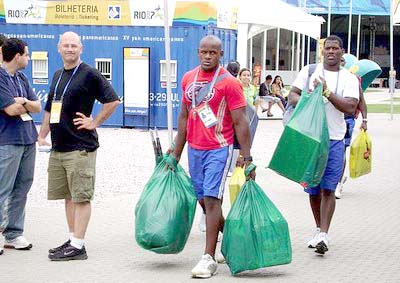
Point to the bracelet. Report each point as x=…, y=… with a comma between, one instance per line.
x=326, y=93
x=365, y=120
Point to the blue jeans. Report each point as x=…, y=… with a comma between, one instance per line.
x=17, y=164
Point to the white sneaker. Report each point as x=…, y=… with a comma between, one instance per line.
x=338, y=191
x=219, y=257
x=206, y=267
x=314, y=240
x=220, y=236
x=323, y=243
x=339, y=188
x=202, y=223
x=19, y=243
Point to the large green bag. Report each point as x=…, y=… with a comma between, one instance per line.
x=302, y=151
x=165, y=211
x=255, y=233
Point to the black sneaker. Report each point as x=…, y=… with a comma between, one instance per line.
x=54, y=250
x=69, y=253
x=321, y=248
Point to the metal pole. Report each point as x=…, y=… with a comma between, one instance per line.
x=303, y=40
x=251, y=54
x=303, y=47
x=308, y=50
x=167, y=44
x=358, y=36
x=292, y=59
x=264, y=59
x=349, y=35
x=328, y=32
x=278, y=38
x=392, y=73
x=298, y=53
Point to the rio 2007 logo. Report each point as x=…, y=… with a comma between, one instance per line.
x=30, y=12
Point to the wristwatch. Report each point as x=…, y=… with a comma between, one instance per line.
x=25, y=102
x=248, y=158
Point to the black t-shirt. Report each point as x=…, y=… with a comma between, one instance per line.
x=264, y=90
x=86, y=86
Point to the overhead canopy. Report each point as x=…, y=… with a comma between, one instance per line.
x=255, y=16
x=261, y=15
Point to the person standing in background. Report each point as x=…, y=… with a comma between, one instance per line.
x=18, y=137
x=249, y=90
x=72, y=163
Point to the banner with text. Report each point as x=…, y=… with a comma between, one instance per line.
x=117, y=12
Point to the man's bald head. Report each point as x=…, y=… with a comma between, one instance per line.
x=211, y=40
x=209, y=53
x=70, y=35
x=70, y=48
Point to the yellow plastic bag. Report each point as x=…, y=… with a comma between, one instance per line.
x=360, y=155
x=235, y=184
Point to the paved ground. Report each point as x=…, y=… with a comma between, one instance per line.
x=364, y=232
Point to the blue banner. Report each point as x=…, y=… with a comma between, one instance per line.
x=359, y=7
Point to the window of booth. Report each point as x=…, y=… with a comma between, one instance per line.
x=163, y=71
x=104, y=65
x=40, y=65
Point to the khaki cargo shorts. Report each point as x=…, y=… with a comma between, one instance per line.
x=71, y=175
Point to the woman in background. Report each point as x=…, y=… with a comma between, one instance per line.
x=249, y=90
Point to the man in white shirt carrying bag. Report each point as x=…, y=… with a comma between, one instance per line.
x=340, y=91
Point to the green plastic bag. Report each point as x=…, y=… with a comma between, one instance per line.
x=302, y=151
x=165, y=211
x=255, y=233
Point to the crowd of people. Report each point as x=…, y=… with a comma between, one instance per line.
x=212, y=115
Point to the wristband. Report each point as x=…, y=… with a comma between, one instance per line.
x=365, y=120
x=248, y=158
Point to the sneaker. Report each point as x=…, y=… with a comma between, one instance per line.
x=339, y=188
x=219, y=257
x=314, y=240
x=69, y=253
x=59, y=248
x=323, y=244
x=206, y=267
x=19, y=243
x=202, y=223
x=220, y=236
x=338, y=191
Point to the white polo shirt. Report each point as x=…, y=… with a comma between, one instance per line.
x=343, y=83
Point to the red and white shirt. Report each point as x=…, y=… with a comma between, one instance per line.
x=226, y=95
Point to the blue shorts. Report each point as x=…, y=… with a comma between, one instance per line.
x=208, y=170
x=350, y=122
x=333, y=170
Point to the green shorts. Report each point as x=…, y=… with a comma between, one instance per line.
x=71, y=175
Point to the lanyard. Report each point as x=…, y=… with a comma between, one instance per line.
x=66, y=86
x=20, y=92
x=337, y=79
x=211, y=86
